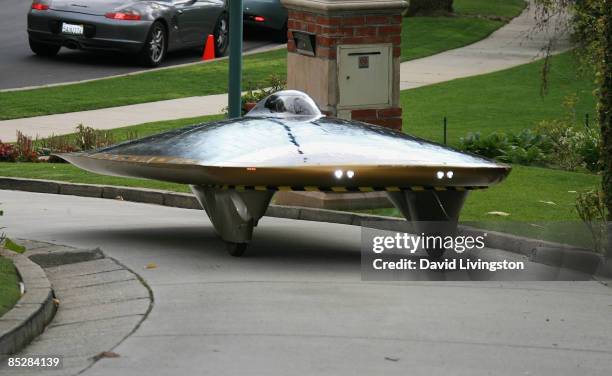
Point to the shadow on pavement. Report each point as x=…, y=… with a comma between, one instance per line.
x=296, y=250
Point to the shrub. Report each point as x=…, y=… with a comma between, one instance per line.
x=589, y=148
x=572, y=148
x=573, y=145
x=591, y=209
x=526, y=148
x=525, y=156
x=491, y=146
x=57, y=144
x=429, y=7
x=7, y=152
x=24, y=149
x=257, y=92
x=88, y=138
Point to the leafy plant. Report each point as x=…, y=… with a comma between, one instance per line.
x=8, y=243
x=429, y=7
x=526, y=156
x=24, y=149
x=57, y=144
x=7, y=153
x=591, y=209
x=525, y=148
x=88, y=138
x=491, y=146
x=571, y=146
x=258, y=91
x=589, y=148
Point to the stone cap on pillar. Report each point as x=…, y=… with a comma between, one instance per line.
x=346, y=6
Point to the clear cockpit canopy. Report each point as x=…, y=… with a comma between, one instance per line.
x=286, y=103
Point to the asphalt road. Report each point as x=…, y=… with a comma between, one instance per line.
x=19, y=67
x=295, y=305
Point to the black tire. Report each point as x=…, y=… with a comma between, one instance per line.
x=221, y=35
x=235, y=249
x=155, y=47
x=44, y=49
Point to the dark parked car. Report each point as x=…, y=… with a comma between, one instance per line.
x=270, y=14
x=147, y=28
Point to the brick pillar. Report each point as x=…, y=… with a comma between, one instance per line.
x=335, y=23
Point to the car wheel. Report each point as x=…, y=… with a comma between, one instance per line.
x=221, y=34
x=236, y=249
x=155, y=47
x=44, y=49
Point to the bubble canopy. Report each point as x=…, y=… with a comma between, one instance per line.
x=285, y=140
x=286, y=103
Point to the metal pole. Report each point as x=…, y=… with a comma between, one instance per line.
x=445, y=130
x=235, y=58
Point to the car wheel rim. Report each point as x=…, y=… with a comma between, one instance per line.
x=156, y=46
x=222, y=34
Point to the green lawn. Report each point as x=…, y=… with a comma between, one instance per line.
x=504, y=101
x=474, y=20
x=529, y=194
x=200, y=79
x=69, y=173
x=422, y=36
x=9, y=285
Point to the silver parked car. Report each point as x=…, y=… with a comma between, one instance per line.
x=148, y=28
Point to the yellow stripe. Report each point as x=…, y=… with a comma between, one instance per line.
x=285, y=188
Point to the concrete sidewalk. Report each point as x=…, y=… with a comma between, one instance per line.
x=514, y=44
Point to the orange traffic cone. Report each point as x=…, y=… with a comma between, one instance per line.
x=209, y=48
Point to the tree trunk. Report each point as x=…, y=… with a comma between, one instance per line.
x=605, y=103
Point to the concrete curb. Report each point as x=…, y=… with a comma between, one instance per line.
x=103, y=302
x=541, y=251
x=29, y=317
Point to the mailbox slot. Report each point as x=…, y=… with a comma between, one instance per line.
x=305, y=43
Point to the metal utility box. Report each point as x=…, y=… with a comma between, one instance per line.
x=365, y=76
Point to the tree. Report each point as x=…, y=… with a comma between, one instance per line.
x=590, y=25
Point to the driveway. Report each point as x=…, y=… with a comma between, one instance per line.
x=295, y=305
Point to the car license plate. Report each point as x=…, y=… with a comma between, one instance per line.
x=72, y=29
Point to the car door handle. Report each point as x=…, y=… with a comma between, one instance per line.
x=179, y=11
